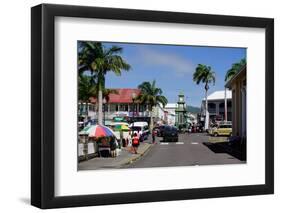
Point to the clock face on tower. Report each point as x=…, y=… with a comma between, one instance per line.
x=181, y=99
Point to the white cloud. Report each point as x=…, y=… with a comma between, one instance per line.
x=174, y=62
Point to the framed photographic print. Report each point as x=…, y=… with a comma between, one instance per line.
x=136, y=106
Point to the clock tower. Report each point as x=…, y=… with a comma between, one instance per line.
x=181, y=111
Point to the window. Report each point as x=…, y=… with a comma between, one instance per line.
x=141, y=108
x=211, y=106
x=113, y=107
x=91, y=107
x=229, y=104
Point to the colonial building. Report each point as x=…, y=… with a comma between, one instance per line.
x=122, y=104
x=216, y=107
x=239, y=102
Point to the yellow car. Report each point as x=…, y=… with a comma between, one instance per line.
x=222, y=129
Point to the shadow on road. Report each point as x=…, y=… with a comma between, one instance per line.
x=224, y=147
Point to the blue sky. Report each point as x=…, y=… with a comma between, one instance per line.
x=172, y=67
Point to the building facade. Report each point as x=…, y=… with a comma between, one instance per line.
x=239, y=103
x=170, y=113
x=216, y=106
x=123, y=105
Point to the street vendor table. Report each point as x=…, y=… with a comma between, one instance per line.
x=102, y=149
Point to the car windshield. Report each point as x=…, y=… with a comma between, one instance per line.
x=136, y=128
x=169, y=128
x=225, y=126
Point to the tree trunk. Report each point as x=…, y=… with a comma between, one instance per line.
x=151, y=119
x=100, y=120
x=225, y=105
x=96, y=109
x=206, y=111
x=87, y=110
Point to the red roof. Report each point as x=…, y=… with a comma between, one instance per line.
x=124, y=96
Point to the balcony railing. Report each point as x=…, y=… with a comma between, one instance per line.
x=111, y=115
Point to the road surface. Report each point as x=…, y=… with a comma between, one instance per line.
x=192, y=149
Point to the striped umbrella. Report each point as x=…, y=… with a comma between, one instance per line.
x=86, y=130
x=97, y=131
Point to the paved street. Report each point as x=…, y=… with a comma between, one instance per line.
x=192, y=149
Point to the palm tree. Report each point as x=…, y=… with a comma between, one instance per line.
x=204, y=74
x=85, y=90
x=88, y=88
x=105, y=93
x=98, y=59
x=235, y=68
x=152, y=95
x=87, y=52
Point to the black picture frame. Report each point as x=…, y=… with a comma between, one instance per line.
x=43, y=105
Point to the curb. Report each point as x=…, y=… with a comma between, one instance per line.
x=135, y=158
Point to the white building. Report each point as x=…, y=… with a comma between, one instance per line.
x=159, y=114
x=170, y=113
x=216, y=107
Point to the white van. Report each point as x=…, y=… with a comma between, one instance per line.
x=141, y=128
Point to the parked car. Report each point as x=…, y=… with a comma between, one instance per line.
x=221, y=129
x=160, y=130
x=211, y=128
x=141, y=128
x=199, y=128
x=194, y=128
x=183, y=130
x=170, y=134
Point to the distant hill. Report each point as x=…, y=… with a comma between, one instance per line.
x=193, y=109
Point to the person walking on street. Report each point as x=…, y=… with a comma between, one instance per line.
x=135, y=143
x=130, y=147
x=153, y=136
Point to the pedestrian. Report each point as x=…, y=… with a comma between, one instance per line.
x=139, y=134
x=135, y=143
x=123, y=142
x=154, y=133
x=130, y=147
x=129, y=138
x=113, y=147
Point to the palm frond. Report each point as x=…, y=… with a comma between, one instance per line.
x=204, y=74
x=236, y=67
x=150, y=94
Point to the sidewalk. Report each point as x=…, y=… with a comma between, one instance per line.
x=124, y=158
x=221, y=144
